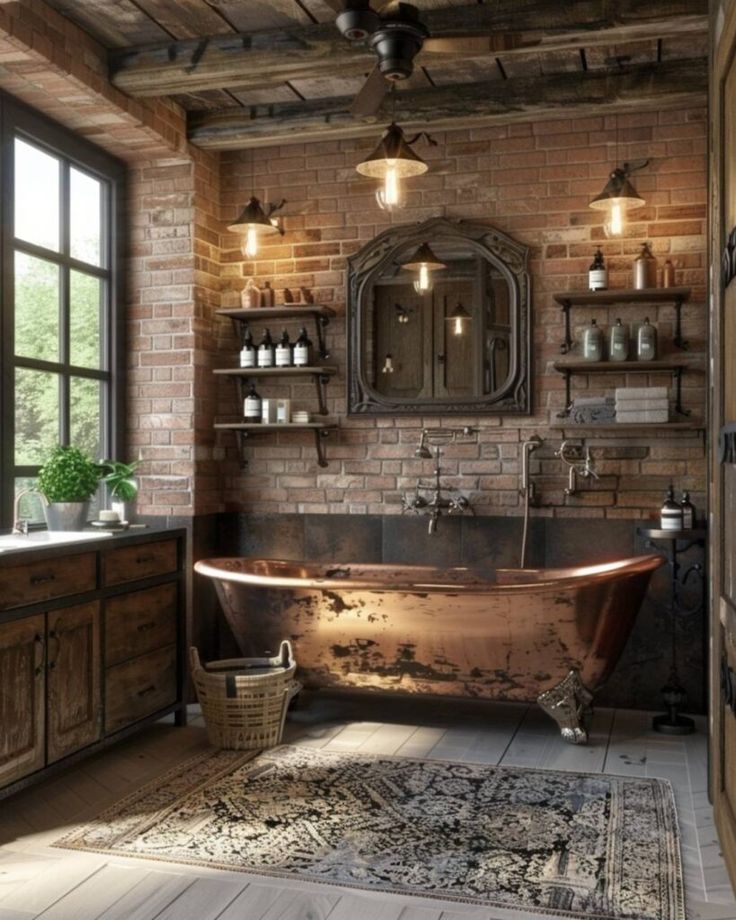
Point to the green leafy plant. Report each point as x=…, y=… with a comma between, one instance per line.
x=119, y=477
x=68, y=475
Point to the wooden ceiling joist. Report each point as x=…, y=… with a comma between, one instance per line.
x=269, y=58
x=665, y=85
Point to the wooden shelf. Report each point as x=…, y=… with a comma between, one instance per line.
x=622, y=296
x=276, y=371
x=618, y=367
x=317, y=312
x=245, y=429
x=690, y=425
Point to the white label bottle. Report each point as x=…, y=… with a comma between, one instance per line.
x=252, y=405
x=302, y=349
x=283, y=351
x=248, y=351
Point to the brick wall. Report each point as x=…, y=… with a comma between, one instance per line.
x=532, y=181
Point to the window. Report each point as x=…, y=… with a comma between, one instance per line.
x=60, y=355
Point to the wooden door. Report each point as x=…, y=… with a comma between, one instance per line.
x=722, y=518
x=74, y=680
x=22, y=685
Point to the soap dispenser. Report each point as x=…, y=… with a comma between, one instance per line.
x=618, y=345
x=592, y=342
x=646, y=341
x=671, y=512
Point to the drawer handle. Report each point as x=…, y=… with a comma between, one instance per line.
x=42, y=579
x=141, y=560
x=149, y=689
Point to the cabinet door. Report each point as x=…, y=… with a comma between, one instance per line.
x=74, y=700
x=22, y=683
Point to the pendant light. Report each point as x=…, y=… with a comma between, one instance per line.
x=391, y=161
x=617, y=198
x=255, y=221
x=460, y=319
x=424, y=262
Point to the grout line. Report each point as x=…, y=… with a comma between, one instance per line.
x=513, y=735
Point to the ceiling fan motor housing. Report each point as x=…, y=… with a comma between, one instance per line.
x=397, y=44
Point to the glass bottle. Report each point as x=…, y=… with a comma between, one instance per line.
x=618, y=342
x=592, y=342
x=689, y=514
x=252, y=405
x=598, y=273
x=248, y=351
x=265, y=350
x=671, y=512
x=268, y=297
x=645, y=269
x=302, y=349
x=668, y=274
x=250, y=296
x=646, y=341
x=283, y=351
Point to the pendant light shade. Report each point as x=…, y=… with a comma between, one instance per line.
x=254, y=223
x=618, y=197
x=459, y=319
x=392, y=152
x=424, y=262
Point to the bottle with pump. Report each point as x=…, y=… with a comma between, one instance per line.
x=689, y=514
x=265, y=357
x=302, y=349
x=283, y=351
x=252, y=405
x=671, y=512
x=618, y=345
x=646, y=341
x=248, y=351
x=598, y=273
x=592, y=342
x=250, y=296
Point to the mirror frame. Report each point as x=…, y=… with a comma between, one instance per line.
x=503, y=253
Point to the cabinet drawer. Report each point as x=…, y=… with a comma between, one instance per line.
x=31, y=582
x=139, y=687
x=139, y=622
x=130, y=563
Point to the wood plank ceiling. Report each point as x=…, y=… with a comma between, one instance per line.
x=254, y=72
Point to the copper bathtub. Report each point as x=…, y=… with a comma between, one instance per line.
x=550, y=635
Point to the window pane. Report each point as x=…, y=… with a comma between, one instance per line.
x=36, y=415
x=85, y=306
x=86, y=412
x=86, y=217
x=36, y=196
x=30, y=505
x=36, y=308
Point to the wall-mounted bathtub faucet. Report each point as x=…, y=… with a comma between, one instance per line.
x=579, y=464
x=433, y=502
x=527, y=490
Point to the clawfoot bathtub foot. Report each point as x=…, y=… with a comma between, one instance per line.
x=569, y=705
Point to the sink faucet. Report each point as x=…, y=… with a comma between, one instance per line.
x=20, y=525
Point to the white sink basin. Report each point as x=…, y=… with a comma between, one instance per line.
x=38, y=539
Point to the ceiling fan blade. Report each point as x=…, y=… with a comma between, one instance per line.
x=337, y=5
x=369, y=99
x=477, y=44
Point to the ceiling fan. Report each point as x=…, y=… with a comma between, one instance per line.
x=395, y=33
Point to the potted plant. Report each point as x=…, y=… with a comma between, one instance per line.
x=67, y=481
x=118, y=477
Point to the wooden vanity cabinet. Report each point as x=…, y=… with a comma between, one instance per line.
x=87, y=658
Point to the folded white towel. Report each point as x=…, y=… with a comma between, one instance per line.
x=640, y=392
x=642, y=416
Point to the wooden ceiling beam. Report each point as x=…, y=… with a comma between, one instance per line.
x=262, y=59
x=666, y=85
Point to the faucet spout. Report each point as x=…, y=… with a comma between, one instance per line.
x=20, y=525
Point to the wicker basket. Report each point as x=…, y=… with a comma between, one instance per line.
x=244, y=700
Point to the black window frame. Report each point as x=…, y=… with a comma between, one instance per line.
x=19, y=121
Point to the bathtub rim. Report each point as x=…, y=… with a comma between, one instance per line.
x=519, y=580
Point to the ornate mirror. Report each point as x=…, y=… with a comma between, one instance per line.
x=438, y=321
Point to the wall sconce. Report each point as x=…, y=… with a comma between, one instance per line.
x=256, y=221
x=402, y=314
x=424, y=262
x=618, y=197
x=388, y=365
x=460, y=319
x=391, y=161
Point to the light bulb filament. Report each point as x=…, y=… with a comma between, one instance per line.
x=251, y=242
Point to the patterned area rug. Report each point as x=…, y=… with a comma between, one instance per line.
x=568, y=844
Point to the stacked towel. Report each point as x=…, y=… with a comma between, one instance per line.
x=593, y=410
x=642, y=405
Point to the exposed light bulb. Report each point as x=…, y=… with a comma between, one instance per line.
x=458, y=326
x=250, y=249
x=423, y=284
x=614, y=226
x=390, y=196
x=388, y=365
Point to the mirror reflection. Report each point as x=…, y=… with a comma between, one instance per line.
x=439, y=320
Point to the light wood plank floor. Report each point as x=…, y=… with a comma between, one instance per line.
x=38, y=881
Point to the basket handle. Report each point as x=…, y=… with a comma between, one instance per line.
x=195, y=663
x=286, y=654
